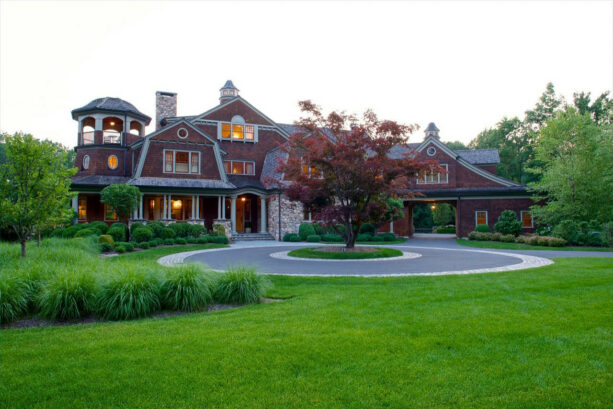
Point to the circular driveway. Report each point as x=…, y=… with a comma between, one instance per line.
x=431, y=260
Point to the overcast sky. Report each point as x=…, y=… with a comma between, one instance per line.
x=463, y=65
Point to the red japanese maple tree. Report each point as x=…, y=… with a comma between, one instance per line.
x=341, y=168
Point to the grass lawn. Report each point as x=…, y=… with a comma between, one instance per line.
x=398, y=240
x=519, y=246
x=314, y=252
x=533, y=338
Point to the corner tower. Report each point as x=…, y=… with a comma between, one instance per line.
x=227, y=92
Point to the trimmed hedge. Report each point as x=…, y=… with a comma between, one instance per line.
x=142, y=234
x=331, y=237
x=105, y=238
x=445, y=229
x=367, y=228
x=195, y=230
x=508, y=223
x=180, y=229
x=291, y=237
x=305, y=230
x=118, y=233
x=509, y=238
x=156, y=227
x=314, y=238
x=364, y=237
x=86, y=233
x=483, y=228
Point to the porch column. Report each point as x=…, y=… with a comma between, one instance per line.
x=391, y=226
x=75, y=206
x=170, y=206
x=140, y=208
x=233, y=214
x=193, y=207
x=262, y=214
x=223, y=207
x=165, y=212
x=198, y=207
x=218, y=207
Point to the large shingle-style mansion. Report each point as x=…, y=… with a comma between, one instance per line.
x=213, y=168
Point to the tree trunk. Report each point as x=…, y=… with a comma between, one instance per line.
x=38, y=239
x=23, y=248
x=349, y=236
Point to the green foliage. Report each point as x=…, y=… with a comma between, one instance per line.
x=240, y=285
x=364, y=237
x=70, y=231
x=305, y=230
x=313, y=238
x=129, y=295
x=136, y=225
x=156, y=227
x=319, y=229
x=186, y=288
x=143, y=245
x=388, y=236
x=106, y=238
x=377, y=238
x=367, y=228
x=123, y=199
x=68, y=295
x=219, y=229
x=445, y=229
x=167, y=233
x=101, y=227
x=316, y=253
x=117, y=233
x=34, y=187
x=203, y=239
x=14, y=298
x=483, y=228
x=333, y=238
x=105, y=247
x=422, y=216
x=195, y=230
x=120, y=248
x=568, y=230
x=152, y=243
x=291, y=237
x=120, y=225
x=142, y=234
x=86, y=232
x=443, y=214
x=456, y=145
x=180, y=229
x=169, y=242
x=508, y=223
x=180, y=241
x=576, y=173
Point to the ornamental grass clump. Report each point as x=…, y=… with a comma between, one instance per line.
x=14, y=298
x=240, y=285
x=129, y=294
x=68, y=295
x=186, y=288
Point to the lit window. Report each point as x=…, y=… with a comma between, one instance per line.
x=526, y=219
x=225, y=131
x=86, y=162
x=239, y=167
x=249, y=132
x=480, y=217
x=113, y=162
x=181, y=162
x=237, y=131
x=168, y=159
x=82, y=209
x=109, y=214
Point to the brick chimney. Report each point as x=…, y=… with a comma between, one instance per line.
x=165, y=106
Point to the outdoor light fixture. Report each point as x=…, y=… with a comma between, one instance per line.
x=242, y=199
x=433, y=207
x=176, y=204
x=152, y=203
x=112, y=123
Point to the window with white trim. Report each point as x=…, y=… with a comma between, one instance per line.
x=526, y=219
x=239, y=167
x=109, y=213
x=237, y=130
x=480, y=217
x=186, y=162
x=434, y=177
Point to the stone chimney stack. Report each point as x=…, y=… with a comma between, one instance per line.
x=165, y=106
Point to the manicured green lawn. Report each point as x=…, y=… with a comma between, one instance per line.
x=534, y=338
x=314, y=252
x=398, y=240
x=519, y=246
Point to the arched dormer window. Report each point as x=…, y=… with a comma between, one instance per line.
x=238, y=127
x=87, y=131
x=136, y=128
x=238, y=130
x=111, y=129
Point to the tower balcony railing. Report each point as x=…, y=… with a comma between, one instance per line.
x=88, y=138
x=111, y=137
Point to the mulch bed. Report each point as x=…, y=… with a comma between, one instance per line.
x=35, y=322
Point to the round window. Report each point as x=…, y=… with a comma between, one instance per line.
x=182, y=133
x=113, y=162
x=86, y=162
x=431, y=151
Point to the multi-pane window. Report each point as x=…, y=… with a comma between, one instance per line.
x=109, y=214
x=311, y=171
x=225, y=131
x=82, y=209
x=434, y=177
x=480, y=217
x=240, y=167
x=181, y=162
x=526, y=219
x=249, y=132
x=238, y=132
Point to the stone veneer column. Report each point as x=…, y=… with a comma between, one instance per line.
x=291, y=216
x=262, y=214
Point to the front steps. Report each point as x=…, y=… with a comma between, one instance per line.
x=252, y=237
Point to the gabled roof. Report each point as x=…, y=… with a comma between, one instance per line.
x=479, y=156
x=229, y=85
x=111, y=105
x=432, y=127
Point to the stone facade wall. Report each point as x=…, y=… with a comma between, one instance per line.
x=227, y=224
x=292, y=214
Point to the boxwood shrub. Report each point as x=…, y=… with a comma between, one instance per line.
x=336, y=238
x=364, y=237
x=120, y=248
x=169, y=242
x=508, y=223
x=142, y=234
x=144, y=245
x=120, y=225
x=305, y=230
x=445, y=229
x=118, y=233
x=314, y=238
x=180, y=241
x=70, y=231
x=483, y=228
x=203, y=240
x=156, y=227
x=106, y=238
x=180, y=229
x=291, y=237
x=167, y=233
x=101, y=227
x=195, y=230
x=86, y=233
x=136, y=225
x=388, y=236
x=367, y=228
x=377, y=238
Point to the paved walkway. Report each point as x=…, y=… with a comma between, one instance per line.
x=429, y=257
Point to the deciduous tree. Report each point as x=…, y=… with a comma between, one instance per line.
x=122, y=199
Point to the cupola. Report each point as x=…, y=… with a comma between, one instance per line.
x=227, y=92
x=432, y=130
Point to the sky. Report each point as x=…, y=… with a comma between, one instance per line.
x=462, y=65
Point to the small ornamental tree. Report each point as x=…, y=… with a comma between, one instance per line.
x=123, y=199
x=508, y=224
x=341, y=167
x=34, y=186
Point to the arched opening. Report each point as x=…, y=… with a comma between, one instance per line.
x=111, y=129
x=88, y=125
x=238, y=127
x=434, y=217
x=136, y=128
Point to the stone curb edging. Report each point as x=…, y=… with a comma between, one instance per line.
x=526, y=262
x=284, y=255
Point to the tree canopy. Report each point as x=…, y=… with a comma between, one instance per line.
x=34, y=186
x=340, y=166
x=123, y=199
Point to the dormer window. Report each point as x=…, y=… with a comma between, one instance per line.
x=237, y=130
